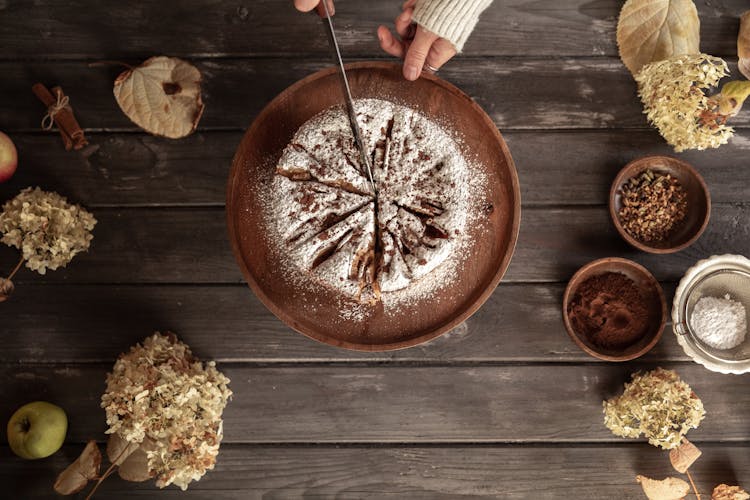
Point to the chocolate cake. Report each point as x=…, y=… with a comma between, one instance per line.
x=401, y=238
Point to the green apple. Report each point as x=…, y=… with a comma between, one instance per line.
x=8, y=158
x=37, y=430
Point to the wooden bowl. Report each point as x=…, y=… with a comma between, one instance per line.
x=651, y=290
x=486, y=258
x=698, y=202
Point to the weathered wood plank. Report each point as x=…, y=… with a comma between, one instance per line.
x=578, y=167
x=191, y=246
x=472, y=404
x=519, y=323
x=80, y=29
x=516, y=93
x=128, y=169
x=141, y=170
x=512, y=472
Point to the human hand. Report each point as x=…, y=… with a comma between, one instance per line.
x=420, y=49
x=308, y=5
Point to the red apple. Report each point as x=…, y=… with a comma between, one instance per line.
x=8, y=158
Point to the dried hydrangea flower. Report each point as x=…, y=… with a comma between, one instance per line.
x=657, y=404
x=674, y=97
x=47, y=229
x=726, y=492
x=159, y=395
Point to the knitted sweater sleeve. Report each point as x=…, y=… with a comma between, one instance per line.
x=453, y=20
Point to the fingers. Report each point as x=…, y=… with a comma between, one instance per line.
x=417, y=53
x=404, y=26
x=306, y=5
x=440, y=53
x=417, y=46
x=390, y=44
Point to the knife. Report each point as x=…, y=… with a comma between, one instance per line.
x=325, y=13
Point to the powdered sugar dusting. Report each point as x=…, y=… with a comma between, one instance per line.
x=395, y=247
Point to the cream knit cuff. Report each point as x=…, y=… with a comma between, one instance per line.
x=453, y=20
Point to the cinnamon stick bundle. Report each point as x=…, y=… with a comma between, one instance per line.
x=60, y=112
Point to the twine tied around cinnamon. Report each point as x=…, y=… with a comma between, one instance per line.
x=49, y=119
x=60, y=113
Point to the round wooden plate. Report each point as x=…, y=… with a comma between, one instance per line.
x=316, y=312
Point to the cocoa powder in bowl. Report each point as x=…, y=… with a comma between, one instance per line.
x=610, y=311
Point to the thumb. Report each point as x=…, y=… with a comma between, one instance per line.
x=306, y=5
x=417, y=53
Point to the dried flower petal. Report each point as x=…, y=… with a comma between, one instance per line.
x=732, y=97
x=743, y=45
x=160, y=395
x=118, y=449
x=674, y=97
x=726, y=492
x=79, y=473
x=657, y=404
x=670, y=488
x=136, y=467
x=6, y=289
x=684, y=456
x=46, y=228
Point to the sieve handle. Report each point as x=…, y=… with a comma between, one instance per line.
x=680, y=328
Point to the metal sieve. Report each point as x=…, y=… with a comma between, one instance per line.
x=715, y=277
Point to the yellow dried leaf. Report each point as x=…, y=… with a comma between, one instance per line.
x=743, y=44
x=79, y=473
x=654, y=30
x=683, y=456
x=670, y=488
x=162, y=96
x=732, y=97
x=726, y=492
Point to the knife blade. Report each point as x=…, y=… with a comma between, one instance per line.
x=336, y=52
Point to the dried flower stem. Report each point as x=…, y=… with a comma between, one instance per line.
x=692, y=483
x=15, y=269
x=110, y=470
x=101, y=479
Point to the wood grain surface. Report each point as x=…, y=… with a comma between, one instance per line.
x=521, y=323
x=504, y=406
x=401, y=404
x=517, y=93
x=215, y=28
x=434, y=472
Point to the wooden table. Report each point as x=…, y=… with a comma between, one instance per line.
x=505, y=406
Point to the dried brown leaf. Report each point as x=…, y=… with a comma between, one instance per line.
x=119, y=449
x=79, y=473
x=6, y=289
x=162, y=96
x=743, y=45
x=654, y=30
x=726, y=492
x=135, y=468
x=670, y=488
x=683, y=456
